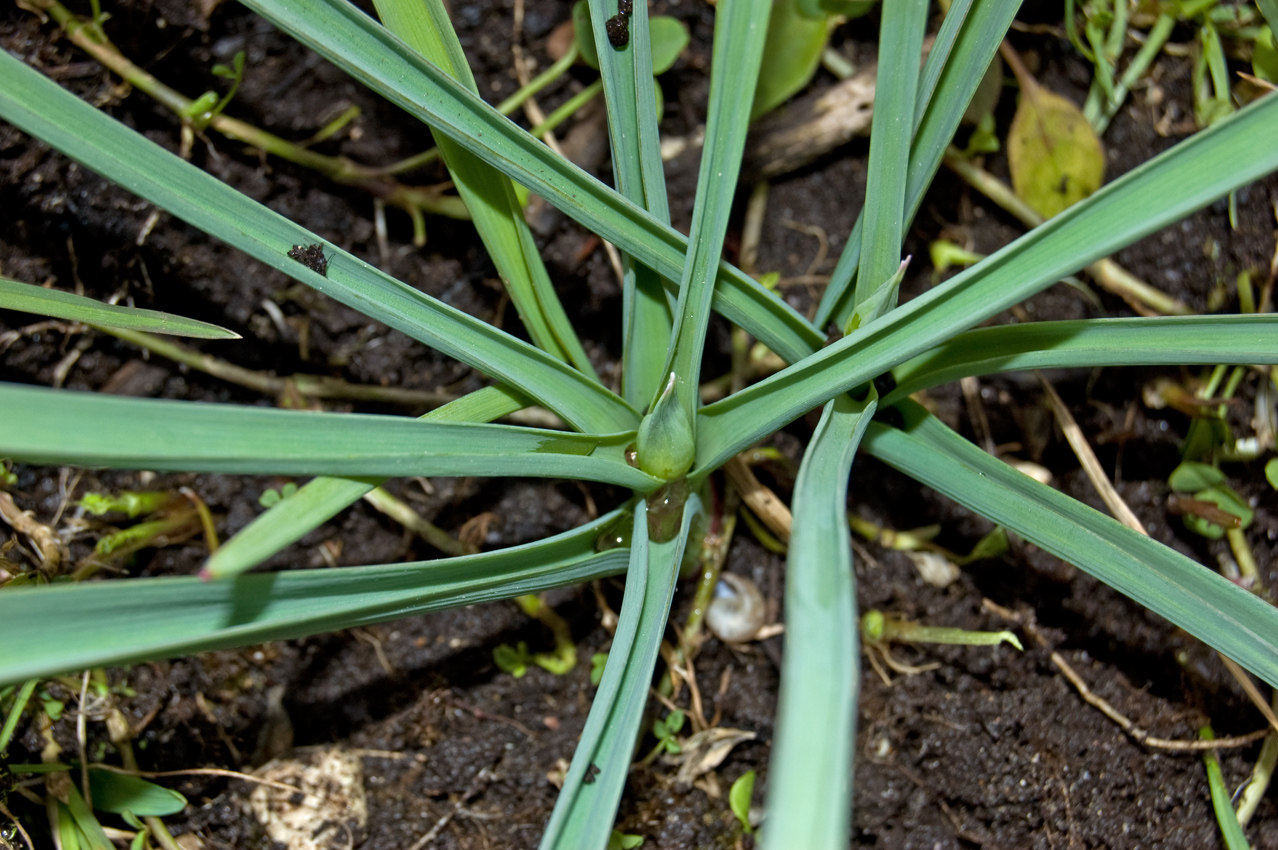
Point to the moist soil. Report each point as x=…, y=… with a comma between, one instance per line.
x=991, y=749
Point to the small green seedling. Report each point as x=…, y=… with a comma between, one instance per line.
x=513, y=659
x=208, y=105
x=666, y=730
x=597, y=662
x=131, y=503
x=1214, y=507
x=272, y=497
x=619, y=840
x=877, y=627
x=879, y=630
x=1271, y=472
x=739, y=800
x=1264, y=56
x=946, y=255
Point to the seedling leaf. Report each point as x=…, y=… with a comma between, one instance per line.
x=119, y=793
x=791, y=54
x=739, y=799
x=669, y=37
x=28, y=298
x=1191, y=476
x=1264, y=56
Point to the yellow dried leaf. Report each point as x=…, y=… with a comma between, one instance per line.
x=1055, y=158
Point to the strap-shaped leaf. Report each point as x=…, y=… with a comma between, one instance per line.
x=121, y=622
x=1168, y=341
x=740, y=29
x=587, y=804
x=1203, y=603
x=89, y=429
x=489, y=194
x=810, y=773
x=630, y=96
x=288, y=520
x=29, y=298
x=963, y=49
x=45, y=110
x=890, y=135
x=351, y=40
x=1230, y=154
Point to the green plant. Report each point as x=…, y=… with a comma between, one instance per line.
x=671, y=285
x=739, y=800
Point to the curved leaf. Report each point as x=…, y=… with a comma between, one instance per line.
x=43, y=109
x=49, y=426
x=810, y=773
x=1210, y=164
x=1202, y=602
x=288, y=520
x=587, y=804
x=354, y=42
x=129, y=620
x=1169, y=340
x=29, y=298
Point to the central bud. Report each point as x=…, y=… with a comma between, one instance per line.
x=666, y=447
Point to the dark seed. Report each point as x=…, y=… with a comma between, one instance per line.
x=311, y=256
x=591, y=772
x=625, y=7
x=618, y=27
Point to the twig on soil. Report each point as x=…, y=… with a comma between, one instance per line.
x=1086, y=457
x=761, y=500
x=480, y=714
x=194, y=771
x=481, y=780
x=26, y=838
x=1138, y=734
x=403, y=513
x=88, y=36
x=971, y=387
x=44, y=537
x=309, y=386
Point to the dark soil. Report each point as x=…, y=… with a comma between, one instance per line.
x=991, y=749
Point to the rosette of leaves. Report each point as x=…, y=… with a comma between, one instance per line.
x=672, y=285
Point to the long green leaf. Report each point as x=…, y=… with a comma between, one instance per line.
x=1212, y=163
x=89, y=429
x=489, y=195
x=587, y=804
x=29, y=298
x=629, y=92
x=890, y=135
x=45, y=110
x=810, y=773
x=1169, y=341
x=1201, y=602
x=288, y=520
x=740, y=29
x=963, y=49
x=122, y=622
x=352, y=41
